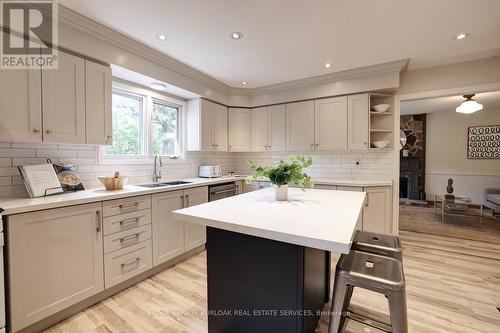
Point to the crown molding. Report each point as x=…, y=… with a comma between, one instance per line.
x=398, y=65
x=85, y=24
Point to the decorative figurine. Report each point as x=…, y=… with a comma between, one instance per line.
x=450, y=190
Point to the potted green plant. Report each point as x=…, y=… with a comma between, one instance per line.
x=283, y=174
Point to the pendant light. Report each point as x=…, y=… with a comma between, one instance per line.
x=469, y=105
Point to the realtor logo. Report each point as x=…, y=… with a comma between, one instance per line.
x=29, y=32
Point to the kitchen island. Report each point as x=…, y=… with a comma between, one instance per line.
x=268, y=261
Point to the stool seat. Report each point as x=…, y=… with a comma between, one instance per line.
x=378, y=273
x=386, y=245
x=372, y=269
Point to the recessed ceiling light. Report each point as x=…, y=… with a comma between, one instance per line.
x=244, y=83
x=461, y=36
x=157, y=86
x=161, y=36
x=236, y=35
x=328, y=65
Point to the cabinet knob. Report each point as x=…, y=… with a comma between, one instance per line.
x=48, y=131
x=317, y=144
x=108, y=137
x=36, y=130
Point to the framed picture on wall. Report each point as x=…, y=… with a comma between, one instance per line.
x=483, y=142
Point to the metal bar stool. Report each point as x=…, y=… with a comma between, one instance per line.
x=373, y=272
x=385, y=245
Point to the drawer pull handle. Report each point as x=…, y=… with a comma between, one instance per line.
x=124, y=239
x=134, y=204
x=136, y=220
x=135, y=261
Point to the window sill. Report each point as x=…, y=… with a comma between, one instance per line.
x=139, y=160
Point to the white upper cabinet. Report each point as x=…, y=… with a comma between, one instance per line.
x=240, y=129
x=21, y=105
x=300, y=126
x=63, y=101
x=358, y=113
x=269, y=128
x=70, y=104
x=207, y=126
x=330, y=118
x=260, y=129
x=98, y=104
x=220, y=127
x=276, y=127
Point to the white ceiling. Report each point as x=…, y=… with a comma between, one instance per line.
x=490, y=101
x=291, y=39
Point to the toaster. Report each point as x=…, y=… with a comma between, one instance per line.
x=210, y=171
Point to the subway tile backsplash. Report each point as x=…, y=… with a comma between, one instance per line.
x=333, y=165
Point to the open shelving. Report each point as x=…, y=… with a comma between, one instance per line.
x=381, y=124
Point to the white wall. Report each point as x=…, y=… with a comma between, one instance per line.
x=446, y=155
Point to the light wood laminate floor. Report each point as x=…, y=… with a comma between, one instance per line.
x=453, y=285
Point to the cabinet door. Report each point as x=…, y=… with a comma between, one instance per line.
x=377, y=213
x=300, y=126
x=20, y=105
x=98, y=104
x=194, y=234
x=207, y=117
x=168, y=232
x=240, y=129
x=276, y=128
x=260, y=129
x=358, y=113
x=330, y=118
x=55, y=261
x=63, y=101
x=220, y=127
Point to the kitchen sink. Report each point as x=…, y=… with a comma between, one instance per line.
x=153, y=185
x=156, y=185
x=177, y=182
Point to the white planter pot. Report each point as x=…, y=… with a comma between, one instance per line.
x=281, y=192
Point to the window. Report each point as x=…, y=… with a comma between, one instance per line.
x=145, y=124
x=165, y=120
x=127, y=113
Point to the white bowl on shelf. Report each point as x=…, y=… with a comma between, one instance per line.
x=380, y=144
x=381, y=107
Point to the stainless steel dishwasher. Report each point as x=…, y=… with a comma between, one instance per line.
x=222, y=191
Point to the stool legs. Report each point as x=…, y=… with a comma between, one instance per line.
x=339, y=294
x=397, y=309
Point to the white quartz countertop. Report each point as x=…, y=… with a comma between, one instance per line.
x=23, y=205
x=16, y=206
x=321, y=219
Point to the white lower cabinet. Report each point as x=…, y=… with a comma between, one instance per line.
x=168, y=232
x=55, y=261
x=377, y=213
x=123, y=264
x=194, y=234
x=172, y=237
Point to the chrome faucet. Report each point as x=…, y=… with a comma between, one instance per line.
x=156, y=170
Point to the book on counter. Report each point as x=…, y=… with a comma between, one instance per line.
x=40, y=180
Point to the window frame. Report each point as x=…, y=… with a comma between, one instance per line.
x=149, y=97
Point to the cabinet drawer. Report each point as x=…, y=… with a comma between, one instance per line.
x=126, y=221
x=126, y=238
x=123, y=264
x=126, y=205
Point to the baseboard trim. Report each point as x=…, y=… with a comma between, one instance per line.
x=68, y=312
